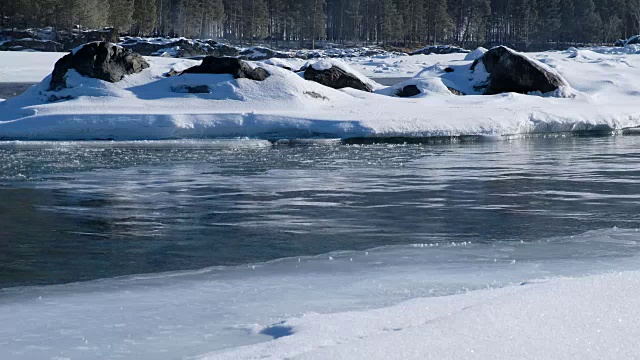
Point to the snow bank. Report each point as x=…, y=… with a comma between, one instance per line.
x=593, y=317
x=143, y=106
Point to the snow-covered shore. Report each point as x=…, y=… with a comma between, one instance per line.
x=144, y=106
x=440, y=301
x=592, y=317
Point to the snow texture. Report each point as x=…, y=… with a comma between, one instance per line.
x=587, y=318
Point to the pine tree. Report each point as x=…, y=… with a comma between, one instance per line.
x=548, y=19
x=587, y=20
x=120, y=14
x=144, y=16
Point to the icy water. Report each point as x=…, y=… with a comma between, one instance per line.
x=273, y=231
x=8, y=90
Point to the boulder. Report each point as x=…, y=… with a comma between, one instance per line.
x=99, y=60
x=335, y=77
x=226, y=65
x=509, y=71
x=408, y=91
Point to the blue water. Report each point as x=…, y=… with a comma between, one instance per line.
x=86, y=210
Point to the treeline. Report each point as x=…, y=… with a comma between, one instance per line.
x=302, y=22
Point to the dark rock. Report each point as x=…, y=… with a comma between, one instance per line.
x=192, y=89
x=99, y=60
x=439, y=49
x=258, y=53
x=448, y=70
x=172, y=72
x=181, y=48
x=336, y=78
x=455, y=92
x=620, y=43
x=31, y=44
x=513, y=72
x=408, y=91
x=226, y=65
x=633, y=40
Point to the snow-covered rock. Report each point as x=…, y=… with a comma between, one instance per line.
x=418, y=87
x=439, y=49
x=226, y=65
x=475, y=54
x=177, y=47
x=99, y=60
x=337, y=75
x=509, y=71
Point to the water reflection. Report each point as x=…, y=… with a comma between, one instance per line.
x=74, y=211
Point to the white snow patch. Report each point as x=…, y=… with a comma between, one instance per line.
x=475, y=54
x=26, y=67
x=591, y=317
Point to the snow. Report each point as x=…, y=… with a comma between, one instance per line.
x=28, y=67
x=415, y=301
x=588, y=318
x=601, y=95
x=475, y=54
x=428, y=87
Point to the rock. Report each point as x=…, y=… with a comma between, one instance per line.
x=439, y=49
x=172, y=72
x=30, y=44
x=226, y=65
x=633, y=40
x=408, y=91
x=192, y=89
x=449, y=70
x=455, y=92
x=335, y=77
x=104, y=34
x=513, y=72
x=99, y=60
x=180, y=48
x=258, y=53
x=620, y=43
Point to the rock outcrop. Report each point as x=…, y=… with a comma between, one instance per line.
x=509, y=71
x=226, y=65
x=335, y=77
x=180, y=48
x=99, y=60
